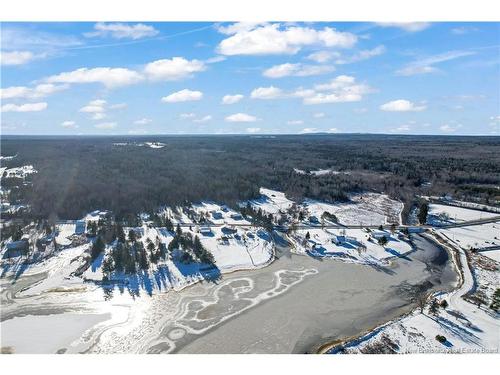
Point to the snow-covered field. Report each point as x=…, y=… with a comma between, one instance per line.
x=443, y=214
x=272, y=202
x=19, y=172
x=364, y=209
x=477, y=237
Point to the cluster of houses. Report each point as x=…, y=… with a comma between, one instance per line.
x=21, y=247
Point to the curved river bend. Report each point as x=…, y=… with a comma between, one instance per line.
x=292, y=306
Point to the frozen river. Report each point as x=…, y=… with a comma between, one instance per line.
x=294, y=305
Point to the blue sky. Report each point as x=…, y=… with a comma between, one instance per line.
x=209, y=78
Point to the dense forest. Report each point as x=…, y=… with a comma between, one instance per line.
x=80, y=174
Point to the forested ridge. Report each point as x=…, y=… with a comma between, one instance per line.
x=122, y=174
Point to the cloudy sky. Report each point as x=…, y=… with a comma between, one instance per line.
x=211, y=78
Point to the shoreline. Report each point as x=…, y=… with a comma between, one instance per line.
x=335, y=346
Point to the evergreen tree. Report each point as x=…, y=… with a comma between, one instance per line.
x=120, y=233
x=97, y=248
x=143, y=260
x=382, y=241
x=422, y=213
x=108, y=266
x=131, y=235
x=434, y=307
x=495, y=303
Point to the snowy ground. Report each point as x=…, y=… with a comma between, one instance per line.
x=442, y=214
x=364, y=209
x=271, y=202
x=358, y=246
x=481, y=237
x=248, y=248
x=19, y=172
x=466, y=327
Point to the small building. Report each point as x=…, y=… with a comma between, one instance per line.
x=205, y=230
x=379, y=234
x=236, y=217
x=228, y=230
x=216, y=215
x=313, y=220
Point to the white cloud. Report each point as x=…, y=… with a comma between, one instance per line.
x=203, y=119
x=38, y=91
x=412, y=70
x=449, y=128
x=401, y=129
x=362, y=55
x=316, y=130
x=402, y=105
x=182, y=96
x=173, y=69
x=318, y=115
x=105, y=125
x=407, y=26
x=122, y=31
x=215, y=59
x=16, y=57
x=339, y=90
x=241, y=117
x=185, y=116
x=69, y=125
x=298, y=70
x=143, y=121
x=295, y=122
x=253, y=130
x=97, y=108
x=94, y=106
x=109, y=77
x=232, y=99
x=28, y=107
x=270, y=92
x=255, y=39
x=425, y=65
x=322, y=57
x=16, y=38
x=309, y=130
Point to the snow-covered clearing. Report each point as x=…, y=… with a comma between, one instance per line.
x=64, y=231
x=479, y=237
x=363, y=209
x=271, y=202
x=155, y=144
x=59, y=269
x=443, y=214
x=28, y=334
x=19, y=172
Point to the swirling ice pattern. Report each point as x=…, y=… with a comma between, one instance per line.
x=193, y=312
